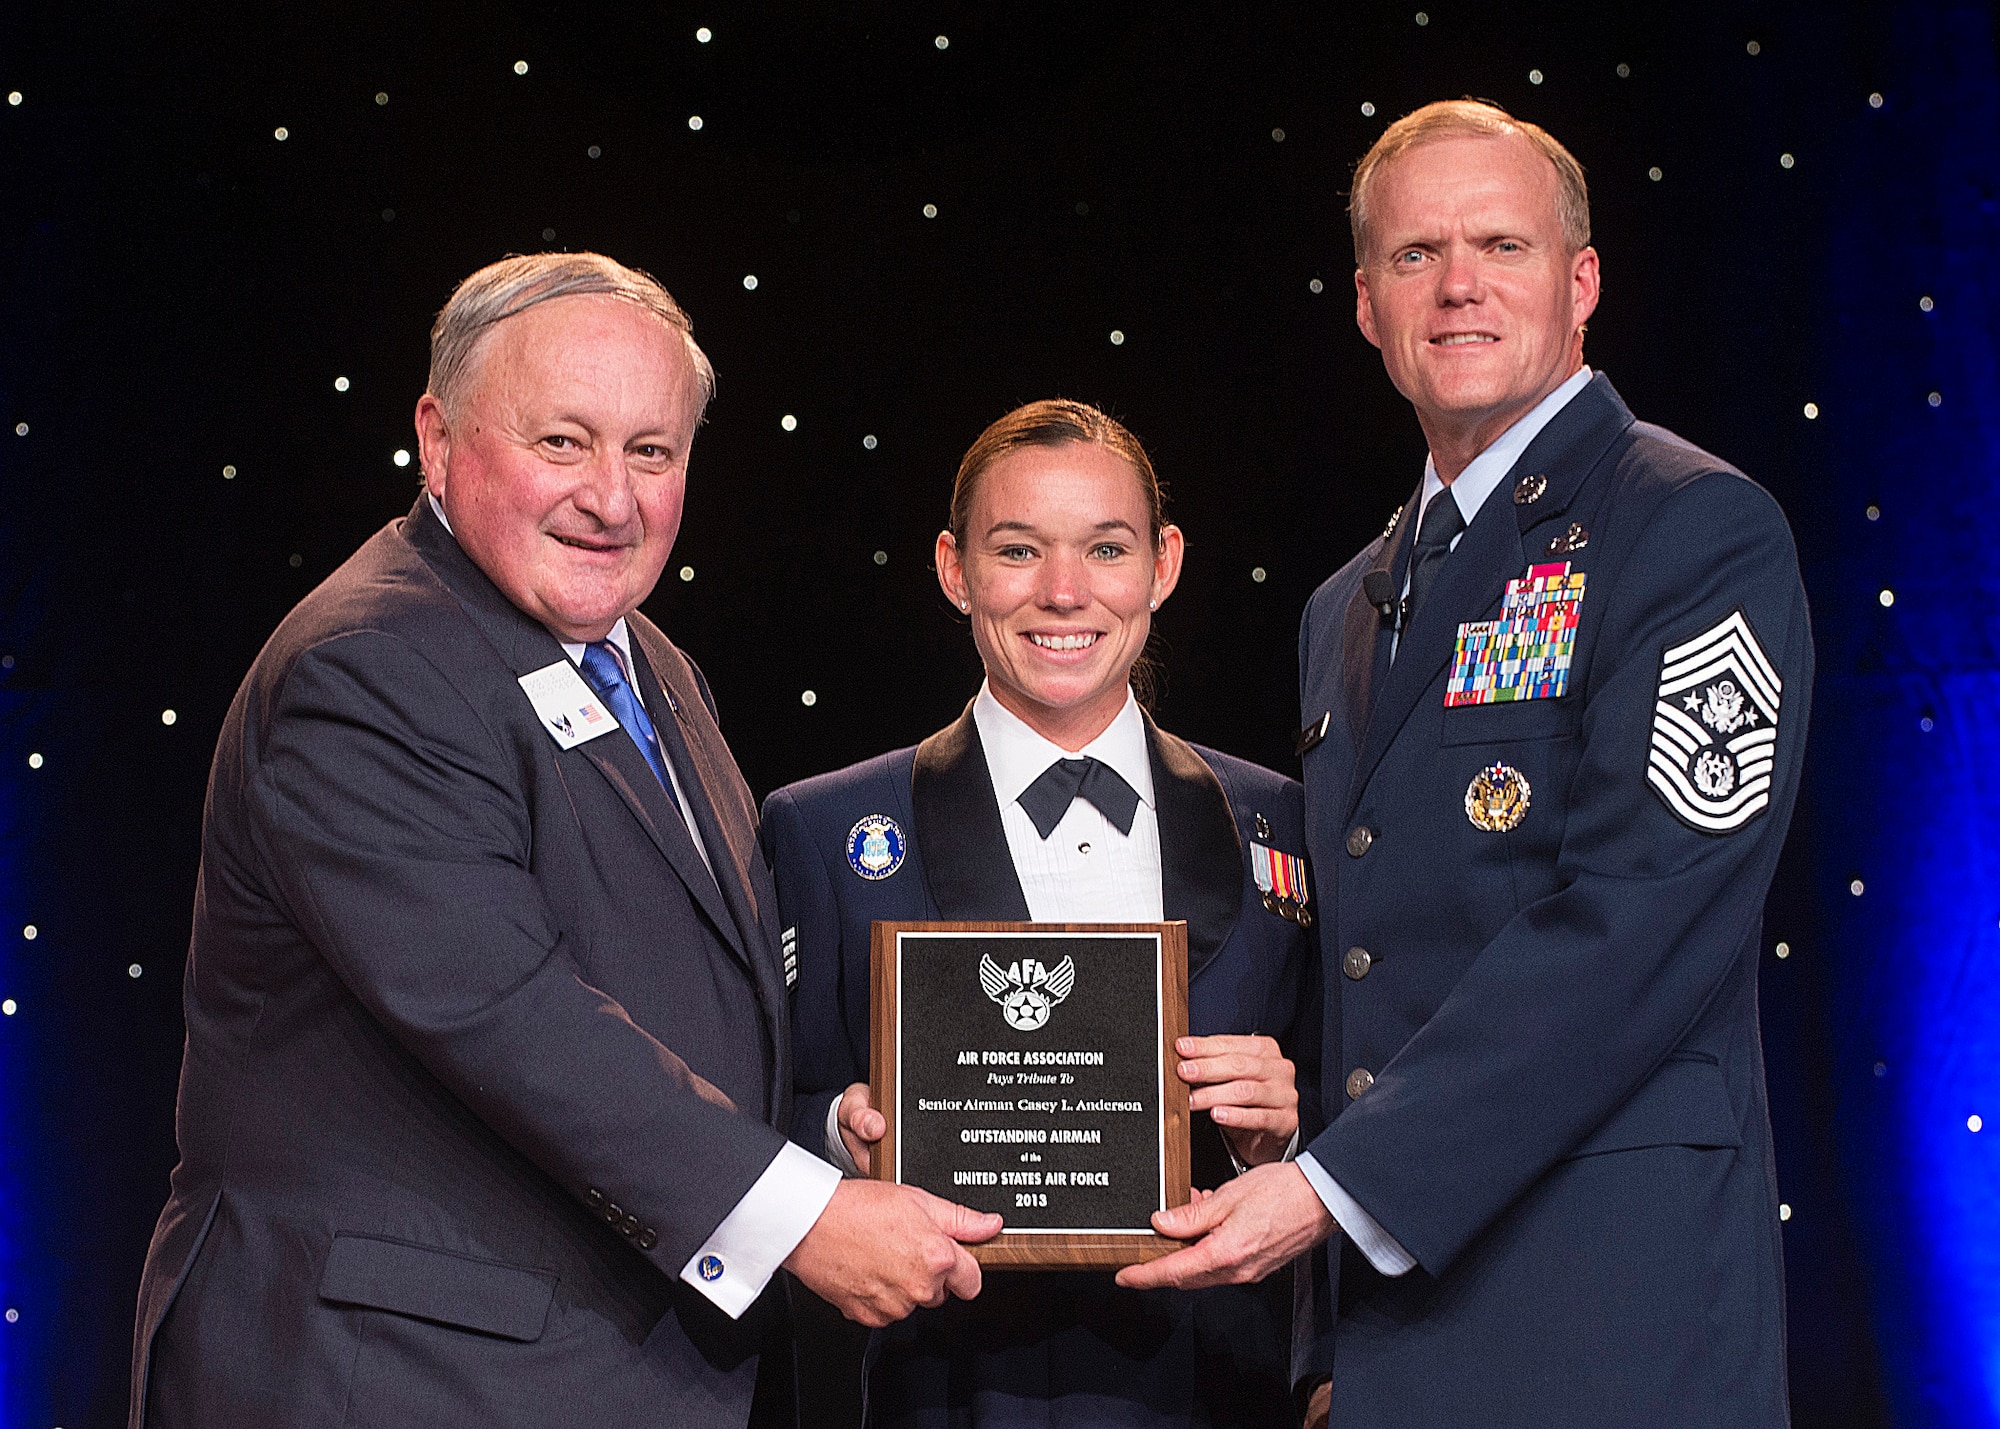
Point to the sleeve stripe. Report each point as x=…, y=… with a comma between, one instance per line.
x=1673, y=784
x=1701, y=821
x=1675, y=679
x=1743, y=638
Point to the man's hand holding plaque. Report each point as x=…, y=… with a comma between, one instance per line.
x=879, y=1251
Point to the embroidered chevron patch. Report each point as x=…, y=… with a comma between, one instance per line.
x=1715, y=728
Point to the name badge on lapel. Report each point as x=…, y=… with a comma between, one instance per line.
x=570, y=710
x=1525, y=654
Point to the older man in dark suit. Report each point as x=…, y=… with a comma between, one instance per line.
x=482, y=1116
x=1553, y=725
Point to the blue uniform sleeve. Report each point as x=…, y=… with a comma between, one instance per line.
x=825, y=1061
x=1586, y=991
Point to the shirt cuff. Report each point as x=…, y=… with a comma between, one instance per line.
x=1364, y=1230
x=836, y=1146
x=1291, y=1152
x=739, y=1258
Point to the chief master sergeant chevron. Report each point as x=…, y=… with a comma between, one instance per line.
x=1553, y=725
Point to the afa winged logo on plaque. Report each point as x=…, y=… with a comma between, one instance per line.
x=1026, y=991
x=1715, y=728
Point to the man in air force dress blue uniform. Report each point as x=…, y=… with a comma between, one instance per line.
x=482, y=1113
x=1553, y=724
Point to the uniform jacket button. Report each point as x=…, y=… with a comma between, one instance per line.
x=648, y=1238
x=613, y=1212
x=1358, y=1081
x=629, y=1226
x=1358, y=839
x=593, y=1198
x=1356, y=963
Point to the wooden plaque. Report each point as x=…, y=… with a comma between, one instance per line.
x=1028, y=1068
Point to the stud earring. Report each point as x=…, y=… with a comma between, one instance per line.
x=1154, y=606
x=965, y=605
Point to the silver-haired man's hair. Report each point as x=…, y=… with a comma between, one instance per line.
x=513, y=285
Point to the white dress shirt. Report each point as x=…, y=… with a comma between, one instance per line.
x=781, y=1205
x=1477, y=482
x=1085, y=871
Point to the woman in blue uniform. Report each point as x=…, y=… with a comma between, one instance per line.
x=1055, y=798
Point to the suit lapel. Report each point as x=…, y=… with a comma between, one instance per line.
x=1201, y=858
x=703, y=781
x=524, y=645
x=618, y=760
x=1364, y=640
x=967, y=865
x=726, y=815
x=1491, y=553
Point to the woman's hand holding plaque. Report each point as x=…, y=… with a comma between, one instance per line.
x=1246, y=1085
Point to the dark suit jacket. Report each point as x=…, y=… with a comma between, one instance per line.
x=1567, y=1123
x=1113, y=1356
x=443, y=1147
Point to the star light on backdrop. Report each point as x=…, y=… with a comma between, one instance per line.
x=1907, y=707
x=810, y=172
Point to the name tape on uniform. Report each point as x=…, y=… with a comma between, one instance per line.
x=569, y=709
x=1525, y=654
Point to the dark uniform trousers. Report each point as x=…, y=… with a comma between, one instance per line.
x=1540, y=934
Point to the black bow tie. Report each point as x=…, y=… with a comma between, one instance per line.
x=1049, y=797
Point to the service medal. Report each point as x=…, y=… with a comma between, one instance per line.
x=875, y=847
x=1497, y=798
x=1281, y=879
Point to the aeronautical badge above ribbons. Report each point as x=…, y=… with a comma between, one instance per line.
x=1525, y=654
x=1281, y=878
x=875, y=847
x=1715, y=728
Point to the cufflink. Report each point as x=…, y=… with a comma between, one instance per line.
x=709, y=1267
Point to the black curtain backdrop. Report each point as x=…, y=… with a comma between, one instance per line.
x=1141, y=206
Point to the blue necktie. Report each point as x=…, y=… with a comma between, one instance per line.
x=606, y=674
x=1441, y=526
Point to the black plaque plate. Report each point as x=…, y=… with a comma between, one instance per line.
x=1028, y=1069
